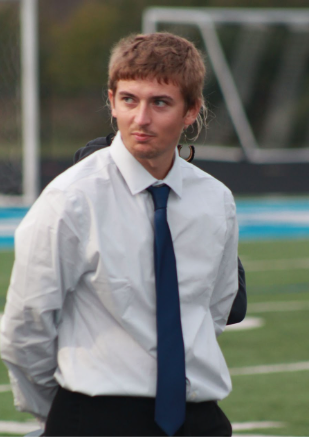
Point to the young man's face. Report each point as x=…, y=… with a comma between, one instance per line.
x=150, y=117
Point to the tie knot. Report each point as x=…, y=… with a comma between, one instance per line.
x=159, y=195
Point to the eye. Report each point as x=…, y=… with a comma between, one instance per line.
x=160, y=103
x=128, y=99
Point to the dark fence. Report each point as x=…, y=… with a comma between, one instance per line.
x=240, y=177
x=248, y=178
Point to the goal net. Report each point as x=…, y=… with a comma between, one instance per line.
x=18, y=102
x=257, y=87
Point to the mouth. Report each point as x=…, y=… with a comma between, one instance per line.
x=141, y=136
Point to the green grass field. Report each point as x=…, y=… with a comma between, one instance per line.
x=277, y=272
x=279, y=397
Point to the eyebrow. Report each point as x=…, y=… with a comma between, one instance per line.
x=159, y=97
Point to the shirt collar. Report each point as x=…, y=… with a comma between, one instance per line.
x=136, y=176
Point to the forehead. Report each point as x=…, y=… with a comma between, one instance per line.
x=149, y=88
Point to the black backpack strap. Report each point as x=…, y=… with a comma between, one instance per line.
x=93, y=146
x=239, y=307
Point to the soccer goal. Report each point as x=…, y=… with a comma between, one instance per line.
x=19, y=114
x=257, y=87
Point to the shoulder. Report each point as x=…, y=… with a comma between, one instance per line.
x=81, y=176
x=200, y=185
x=69, y=193
x=74, y=197
x=192, y=173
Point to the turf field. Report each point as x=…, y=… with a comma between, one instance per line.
x=283, y=289
x=264, y=395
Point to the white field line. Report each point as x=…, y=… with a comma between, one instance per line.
x=18, y=427
x=276, y=264
x=247, y=323
x=5, y=387
x=246, y=426
x=255, y=217
x=8, y=226
x=265, y=307
x=271, y=368
x=259, y=435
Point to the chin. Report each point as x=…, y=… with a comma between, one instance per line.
x=143, y=151
x=146, y=154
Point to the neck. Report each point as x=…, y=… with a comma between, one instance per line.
x=158, y=170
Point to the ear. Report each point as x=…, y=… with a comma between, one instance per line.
x=111, y=98
x=192, y=113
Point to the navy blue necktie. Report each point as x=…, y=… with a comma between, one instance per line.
x=170, y=410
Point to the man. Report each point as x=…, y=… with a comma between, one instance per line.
x=126, y=269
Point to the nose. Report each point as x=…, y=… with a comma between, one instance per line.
x=142, y=115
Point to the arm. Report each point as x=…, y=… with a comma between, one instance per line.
x=226, y=284
x=47, y=266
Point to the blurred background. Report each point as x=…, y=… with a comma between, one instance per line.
x=53, y=74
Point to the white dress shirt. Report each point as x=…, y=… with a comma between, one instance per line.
x=81, y=307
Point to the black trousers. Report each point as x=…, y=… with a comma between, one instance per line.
x=76, y=414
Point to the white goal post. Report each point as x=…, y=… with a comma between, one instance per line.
x=29, y=102
x=207, y=21
x=30, y=99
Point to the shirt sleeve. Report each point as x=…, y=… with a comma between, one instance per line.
x=47, y=267
x=226, y=285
